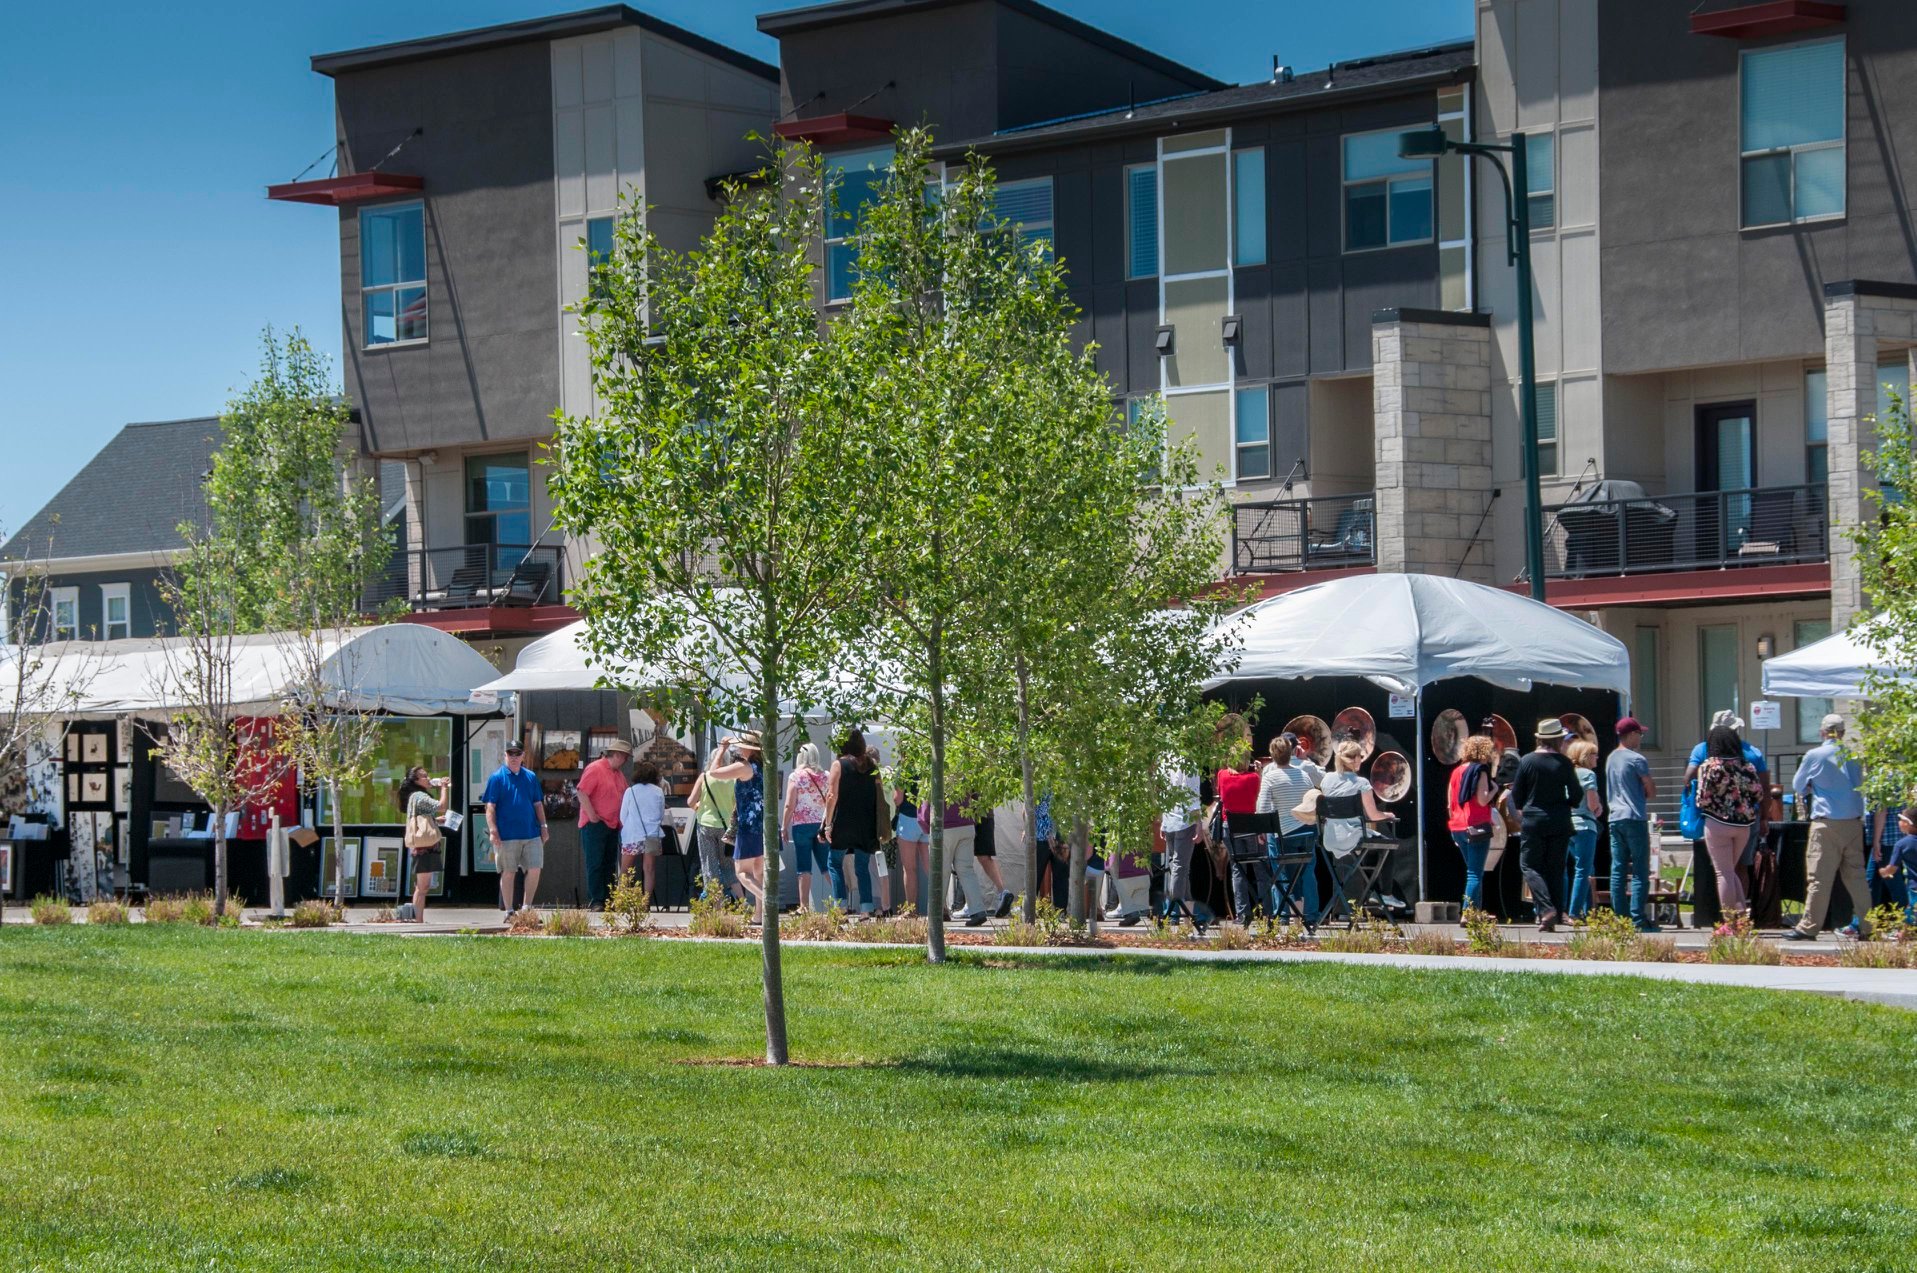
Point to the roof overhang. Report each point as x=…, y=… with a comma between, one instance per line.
x=1689, y=587
x=835, y=130
x=475, y=622
x=357, y=187
x=1771, y=17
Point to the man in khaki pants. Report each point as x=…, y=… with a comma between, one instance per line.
x=1827, y=785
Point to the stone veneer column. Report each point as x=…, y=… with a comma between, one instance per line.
x=1859, y=319
x=1431, y=408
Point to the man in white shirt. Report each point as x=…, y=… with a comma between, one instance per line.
x=1180, y=827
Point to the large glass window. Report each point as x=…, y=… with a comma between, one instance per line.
x=1253, y=433
x=1248, y=196
x=1547, y=430
x=855, y=179
x=598, y=251
x=1141, y=221
x=1454, y=200
x=1810, y=711
x=115, y=610
x=1387, y=199
x=1816, y=427
x=1791, y=125
x=392, y=273
x=1027, y=206
x=65, y=605
x=1541, y=181
x=400, y=744
x=499, y=506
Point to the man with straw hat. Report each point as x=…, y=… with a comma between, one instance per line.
x=602, y=789
x=1544, y=791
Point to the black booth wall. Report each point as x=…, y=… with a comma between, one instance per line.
x=1325, y=697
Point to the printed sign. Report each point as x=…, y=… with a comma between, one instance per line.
x=1767, y=715
x=1403, y=707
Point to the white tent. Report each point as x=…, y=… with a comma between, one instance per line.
x=1404, y=631
x=1831, y=668
x=406, y=669
x=563, y=660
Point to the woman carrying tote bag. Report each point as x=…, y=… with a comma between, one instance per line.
x=423, y=838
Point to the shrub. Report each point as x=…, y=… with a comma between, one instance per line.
x=568, y=922
x=50, y=911
x=1734, y=941
x=524, y=920
x=1269, y=933
x=1482, y=936
x=827, y=925
x=1603, y=934
x=385, y=915
x=316, y=913
x=235, y=911
x=1889, y=924
x=907, y=928
x=1049, y=926
x=107, y=913
x=1877, y=954
x=1231, y=937
x=164, y=910
x=1163, y=929
x=1373, y=938
x=628, y=909
x=716, y=915
x=196, y=908
x=1432, y=942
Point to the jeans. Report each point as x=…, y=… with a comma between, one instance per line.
x=599, y=845
x=715, y=864
x=1583, y=863
x=1474, y=851
x=1541, y=859
x=1300, y=880
x=861, y=874
x=1251, y=888
x=1178, y=850
x=1630, y=867
x=808, y=850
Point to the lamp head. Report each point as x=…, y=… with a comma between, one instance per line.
x=1422, y=143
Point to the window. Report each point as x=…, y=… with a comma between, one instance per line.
x=1252, y=433
x=392, y=273
x=1387, y=199
x=1644, y=681
x=65, y=604
x=1455, y=289
x=499, y=506
x=115, y=611
x=1248, y=196
x=1791, y=122
x=1816, y=427
x=1026, y=206
x=1141, y=221
x=1138, y=419
x=1547, y=430
x=855, y=179
x=1810, y=711
x=1541, y=182
x=598, y=252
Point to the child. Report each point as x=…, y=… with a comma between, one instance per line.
x=1903, y=857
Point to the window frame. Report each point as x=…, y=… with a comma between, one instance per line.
x=1841, y=143
x=831, y=211
x=69, y=597
x=367, y=343
x=1817, y=450
x=1239, y=446
x=109, y=593
x=1549, y=138
x=1131, y=243
x=1027, y=229
x=596, y=261
x=1238, y=188
x=1429, y=177
x=1810, y=711
x=1556, y=442
x=1652, y=671
x=1464, y=169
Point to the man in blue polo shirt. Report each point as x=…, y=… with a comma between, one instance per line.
x=1827, y=783
x=516, y=819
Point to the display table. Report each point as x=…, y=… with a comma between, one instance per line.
x=1789, y=843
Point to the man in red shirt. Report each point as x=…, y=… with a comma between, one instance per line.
x=601, y=789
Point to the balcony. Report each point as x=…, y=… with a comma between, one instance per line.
x=473, y=577
x=1615, y=529
x=1326, y=533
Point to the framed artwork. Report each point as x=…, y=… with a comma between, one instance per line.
x=562, y=750
x=479, y=848
x=485, y=754
x=598, y=738
x=439, y=877
x=329, y=853
x=403, y=743
x=73, y=749
x=6, y=868
x=93, y=787
x=533, y=737
x=93, y=749
x=123, y=791
x=123, y=734
x=380, y=866
x=73, y=788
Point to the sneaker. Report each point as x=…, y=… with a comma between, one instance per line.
x=1129, y=921
x=1851, y=931
x=975, y=920
x=1798, y=934
x=1646, y=926
x=1005, y=901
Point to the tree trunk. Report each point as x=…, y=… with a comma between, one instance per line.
x=935, y=857
x=1031, y=803
x=219, y=860
x=339, y=847
x=771, y=970
x=1081, y=851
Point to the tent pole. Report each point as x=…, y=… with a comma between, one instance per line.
x=1417, y=750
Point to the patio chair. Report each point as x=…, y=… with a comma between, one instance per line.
x=1355, y=875
x=1288, y=869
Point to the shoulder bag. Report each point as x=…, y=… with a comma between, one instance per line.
x=422, y=833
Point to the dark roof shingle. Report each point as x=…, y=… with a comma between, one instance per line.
x=130, y=498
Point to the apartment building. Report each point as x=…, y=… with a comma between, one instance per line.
x=1725, y=279
x=475, y=173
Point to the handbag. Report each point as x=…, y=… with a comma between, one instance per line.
x=1306, y=810
x=422, y=833
x=1690, y=823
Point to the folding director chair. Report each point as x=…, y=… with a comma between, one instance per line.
x=1355, y=875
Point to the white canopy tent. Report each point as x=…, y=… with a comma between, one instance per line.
x=1403, y=632
x=406, y=669
x=1831, y=668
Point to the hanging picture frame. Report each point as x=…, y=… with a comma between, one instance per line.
x=562, y=750
x=380, y=865
x=480, y=854
x=73, y=748
x=93, y=749
x=93, y=787
x=329, y=852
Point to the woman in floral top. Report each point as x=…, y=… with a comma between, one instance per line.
x=803, y=813
x=1731, y=797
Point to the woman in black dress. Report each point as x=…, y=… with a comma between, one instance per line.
x=851, y=818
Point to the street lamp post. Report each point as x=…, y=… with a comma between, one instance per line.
x=1430, y=143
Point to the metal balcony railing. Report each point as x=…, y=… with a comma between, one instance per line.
x=1304, y=534
x=470, y=575
x=1700, y=530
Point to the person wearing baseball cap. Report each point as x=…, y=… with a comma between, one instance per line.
x=516, y=820
x=1627, y=777
x=1828, y=783
x=1544, y=790
x=602, y=790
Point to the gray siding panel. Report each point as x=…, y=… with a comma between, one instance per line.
x=1291, y=425
x=1290, y=321
x=1254, y=357
x=1141, y=324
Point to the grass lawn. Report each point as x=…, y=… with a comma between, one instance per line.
x=182, y=1098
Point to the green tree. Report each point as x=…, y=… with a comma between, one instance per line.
x=1886, y=738
x=716, y=478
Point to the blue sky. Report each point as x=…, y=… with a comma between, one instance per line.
x=139, y=258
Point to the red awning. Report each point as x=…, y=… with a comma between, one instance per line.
x=1772, y=17
x=832, y=130
x=352, y=188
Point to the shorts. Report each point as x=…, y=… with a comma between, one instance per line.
x=651, y=848
x=908, y=827
x=429, y=862
x=519, y=855
x=985, y=841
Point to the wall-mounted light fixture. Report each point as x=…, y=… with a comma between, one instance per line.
x=1233, y=325
x=1766, y=646
x=1163, y=342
